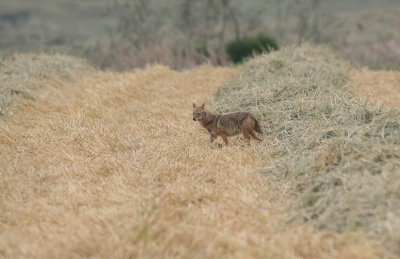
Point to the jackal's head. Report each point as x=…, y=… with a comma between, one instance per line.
x=199, y=113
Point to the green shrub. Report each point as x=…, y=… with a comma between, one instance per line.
x=202, y=50
x=239, y=50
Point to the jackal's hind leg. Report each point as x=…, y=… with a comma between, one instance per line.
x=254, y=135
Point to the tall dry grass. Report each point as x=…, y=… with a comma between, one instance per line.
x=112, y=165
x=120, y=56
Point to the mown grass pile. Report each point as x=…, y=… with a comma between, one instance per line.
x=112, y=165
x=23, y=73
x=340, y=155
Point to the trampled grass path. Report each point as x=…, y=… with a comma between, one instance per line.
x=113, y=166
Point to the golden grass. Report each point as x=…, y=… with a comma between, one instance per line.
x=382, y=87
x=113, y=166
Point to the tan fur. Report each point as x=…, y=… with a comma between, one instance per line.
x=228, y=124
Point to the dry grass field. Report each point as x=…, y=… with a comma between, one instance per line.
x=111, y=165
x=383, y=87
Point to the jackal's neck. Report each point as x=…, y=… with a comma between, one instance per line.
x=208, y=119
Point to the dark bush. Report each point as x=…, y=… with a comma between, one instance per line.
x=202, y=50
x=241, y=49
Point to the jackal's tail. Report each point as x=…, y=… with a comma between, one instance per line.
x=257, y=126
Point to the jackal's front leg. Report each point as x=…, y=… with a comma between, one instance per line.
x=225, y=138
x=212, y=138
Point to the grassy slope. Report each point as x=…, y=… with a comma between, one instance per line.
x=22, y=74
x=113, y=165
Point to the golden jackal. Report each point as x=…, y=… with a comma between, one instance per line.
x=227, y=125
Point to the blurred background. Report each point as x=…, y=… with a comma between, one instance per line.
x=123, y=34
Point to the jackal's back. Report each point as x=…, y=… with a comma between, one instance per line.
x=232, y=123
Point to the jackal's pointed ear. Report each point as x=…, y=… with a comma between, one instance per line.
x=194, y=105
x=203, y=105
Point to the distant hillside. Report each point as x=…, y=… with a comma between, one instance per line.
x=360, y=30
x=44, y=25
